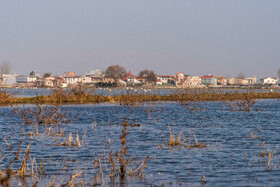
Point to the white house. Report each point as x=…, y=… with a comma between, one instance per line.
x=9, y=79
x=95, y=73
x=179, y=77
x=191, y=81
x=121, y=82
x=269, y=80
x=72, y=80
x=86, y=79
x=238, y=81
x=48, y=81
x=251, y=80
x=130, y=79
x=25, y=79
x=165, y=78
x=159, y=82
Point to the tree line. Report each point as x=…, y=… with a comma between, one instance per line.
x=117, y=72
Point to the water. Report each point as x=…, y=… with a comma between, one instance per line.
x=232, y=157
x=45, y=92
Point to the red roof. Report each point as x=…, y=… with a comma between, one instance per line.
x=207, y=77
x=129, y=75
x=69, y=77
x=165, y=76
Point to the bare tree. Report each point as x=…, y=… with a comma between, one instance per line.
x=148, y=75
x=47, y=75
x=241, y=76
x=115, y=72
x=5, y=68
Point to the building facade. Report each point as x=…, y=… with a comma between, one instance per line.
x=209, y=80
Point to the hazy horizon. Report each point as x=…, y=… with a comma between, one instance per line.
x=194, y=37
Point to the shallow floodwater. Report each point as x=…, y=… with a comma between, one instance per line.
x=233, y=156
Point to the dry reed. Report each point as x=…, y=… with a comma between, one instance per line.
x=82, y=95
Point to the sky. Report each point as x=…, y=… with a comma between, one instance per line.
x=194, y=37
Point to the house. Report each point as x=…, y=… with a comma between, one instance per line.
x=221, y=80
x=95, y=73
x=269, y=80
x=86, y=79
x=251, y=80
x=178, y=78
x=142, y=80
x=191, y=81
x=238, y=81
x=9, y=79
x=96, y=80
x=130, y=79
x=209, y=80
x=25, y=79
x=121, y=82
x=166, y=79
x=159, y=82
x=46, y=82
x=50, y=81
x=72, y=80
x=107, y=80
x=69, y=74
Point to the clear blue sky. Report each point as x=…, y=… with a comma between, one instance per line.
x=225, y=37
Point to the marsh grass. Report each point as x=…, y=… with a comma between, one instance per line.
x=83, y=95
x=192, y=105
x=196, y=144
x=41, y=114
x=6, y=98
x=5, y=178
x=123, y=164
x=70, y=141
x=76, y=94
x=246, y=104
x=28, y=166
x=268, y=156
x=253, y=136
x=45, y=119
x=175, y=141
x=107, y=167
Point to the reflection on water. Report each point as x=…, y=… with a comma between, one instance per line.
x=233, y=156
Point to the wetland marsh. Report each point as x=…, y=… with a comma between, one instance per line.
x=170, y=143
